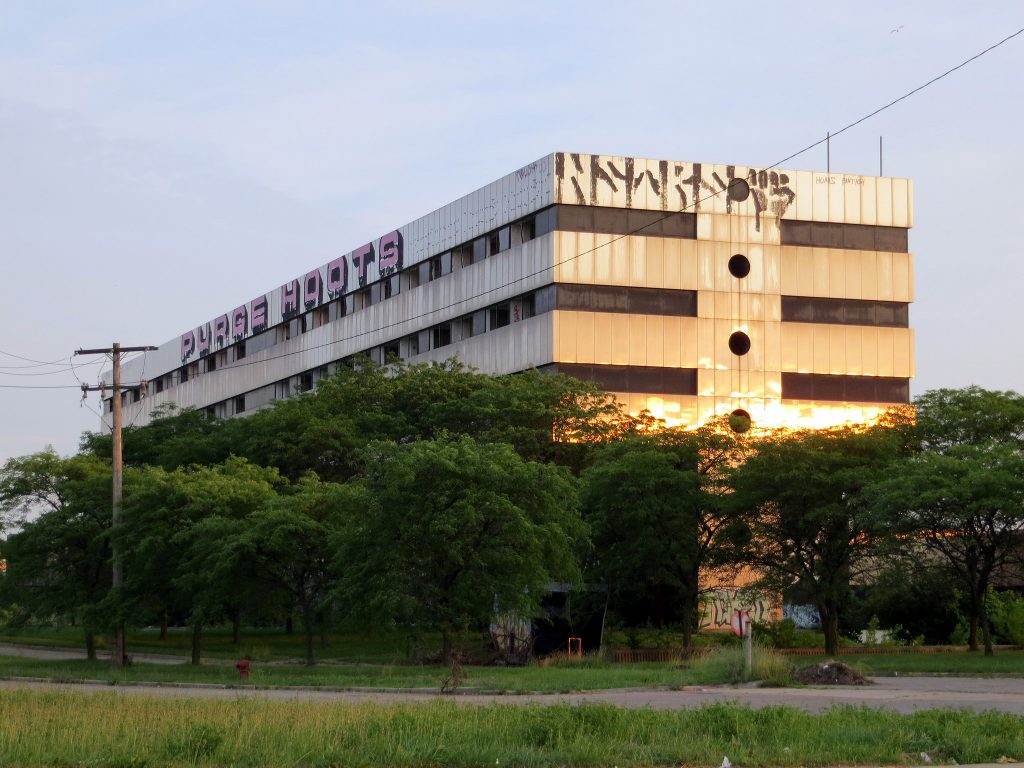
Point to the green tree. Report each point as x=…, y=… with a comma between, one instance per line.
x=801, y=496
x=160, y=514
x=961, y=497
x=964, y=506
x=286, y=545
x=59, y=551
x=458, y=529
x=174, y=438
x=657, y=520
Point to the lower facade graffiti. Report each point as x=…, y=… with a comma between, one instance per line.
x=803, y=616
x=720, y=603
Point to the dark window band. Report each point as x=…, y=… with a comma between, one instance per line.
x=632, y=378
x=807, y=309
x=626, y=300
x=861, y=237
x=861, y=389
x=623, y=221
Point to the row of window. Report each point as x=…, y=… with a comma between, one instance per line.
x=861, y=237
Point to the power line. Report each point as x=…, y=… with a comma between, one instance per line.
x=694, y=206
x=894, y=102
x=40, y=386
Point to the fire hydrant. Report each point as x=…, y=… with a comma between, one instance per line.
x=243, y=668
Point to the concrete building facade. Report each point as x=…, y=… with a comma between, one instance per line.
x=691, y=290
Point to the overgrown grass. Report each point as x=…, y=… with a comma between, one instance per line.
x=61, y=728
x=728, y=665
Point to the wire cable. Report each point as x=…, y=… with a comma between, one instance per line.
x=694, y=205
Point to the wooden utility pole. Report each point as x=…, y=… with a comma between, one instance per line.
x=117, y=653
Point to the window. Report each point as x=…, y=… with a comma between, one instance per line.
x=391, y=352
x=462, y=328
x=499, y=240
x=108, y=405
x=240, y=404
x=409, y=279
x=160, y=385
x=305, y=382
x=321, y=316
x=391, y=286
x=240, y=351
x=442, y=336
x=463, y=255
x=361, y=299
x=410, y=346
x=211, y=363
x=479, y=249
x=183, y=374
x=440, y=266
x=528, y=306
x=523, y=231
x=500, y=316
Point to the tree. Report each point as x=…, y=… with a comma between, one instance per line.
x=655, y=511
x=961, y=497
x=161, y=513
x=458, y=530
x=966, y=506
x=174, y=438
x=801, y=496
x=59, y=555
x=286, y=544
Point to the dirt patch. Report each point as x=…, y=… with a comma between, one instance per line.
x=830, y=673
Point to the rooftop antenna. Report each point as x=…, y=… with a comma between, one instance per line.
x=828, y=152
x=880, y=156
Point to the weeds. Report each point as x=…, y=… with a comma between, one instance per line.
x=65, y=728
x=726, y=664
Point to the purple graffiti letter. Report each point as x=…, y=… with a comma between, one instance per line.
x=361, y=258
x=205, y=338
x=239, y=322
x=220, y=331
x=260, y=314
x=311, y=288
x=390, y=253
x=188, y=345
x=337, y=277
x=290, y=300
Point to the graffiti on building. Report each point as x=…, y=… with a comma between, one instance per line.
x=661, y=185
x=720, y=603
x=298, y=295
x=804, y=616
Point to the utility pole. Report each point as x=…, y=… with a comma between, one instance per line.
x=115, y=351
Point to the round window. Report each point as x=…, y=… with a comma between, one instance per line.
x=739, y=343
x=739, y=190
x=739, y=265
x=739, y=421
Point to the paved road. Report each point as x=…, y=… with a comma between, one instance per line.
x=901, y=694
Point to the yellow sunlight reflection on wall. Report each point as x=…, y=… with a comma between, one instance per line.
x=765, y=414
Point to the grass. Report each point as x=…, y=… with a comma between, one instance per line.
x=64, y=728
x=265, y=645
x=955, y=662
x=728, y=665
x=512, y=679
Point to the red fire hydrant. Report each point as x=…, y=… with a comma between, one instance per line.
x=243, y=668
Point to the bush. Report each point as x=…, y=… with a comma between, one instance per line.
x=1006, y=612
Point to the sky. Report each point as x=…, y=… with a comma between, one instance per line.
x=162, y=161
